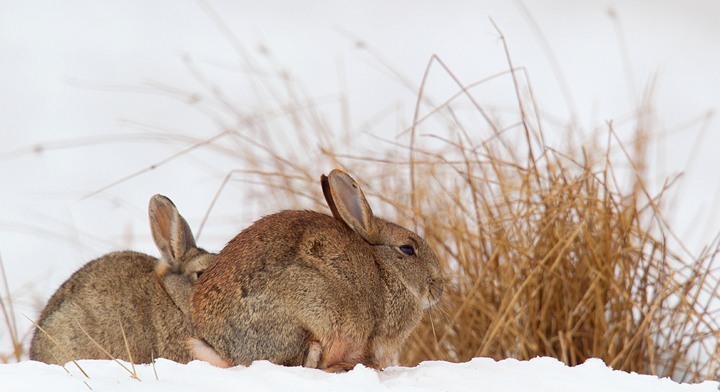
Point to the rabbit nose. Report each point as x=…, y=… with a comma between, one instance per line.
x=435, y=288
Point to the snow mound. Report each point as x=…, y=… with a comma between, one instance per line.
x=480, y=374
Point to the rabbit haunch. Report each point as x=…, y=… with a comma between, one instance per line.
x=145, y=298
x=305, y=288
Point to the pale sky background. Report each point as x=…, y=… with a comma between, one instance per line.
x=58, y=61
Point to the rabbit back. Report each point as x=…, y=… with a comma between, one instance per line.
x=290, y=278
x=118, y=289
x=305, y=288
x=130, y=292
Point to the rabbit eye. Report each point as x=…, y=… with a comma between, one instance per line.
x=408, y=250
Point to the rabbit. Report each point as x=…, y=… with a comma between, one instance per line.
x=301, y=288
x=144, y=297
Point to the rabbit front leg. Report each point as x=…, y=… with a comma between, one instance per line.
x=342, y=355
x=202, y=351
x=314, y=358
x=314, y=353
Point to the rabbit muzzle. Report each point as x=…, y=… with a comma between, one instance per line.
x=434, y=292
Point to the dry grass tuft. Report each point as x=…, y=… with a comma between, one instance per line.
x=10, y=324
x=553, y=260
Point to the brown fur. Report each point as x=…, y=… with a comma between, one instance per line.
x=298, y=278
x=149, y=297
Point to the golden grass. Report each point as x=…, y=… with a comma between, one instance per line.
x=10, y=324
x=551, y=261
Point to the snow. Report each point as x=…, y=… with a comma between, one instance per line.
x=480, y=374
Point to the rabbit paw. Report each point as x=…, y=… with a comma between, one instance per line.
x=313, y=356
x=343, y=367
x=202, y=351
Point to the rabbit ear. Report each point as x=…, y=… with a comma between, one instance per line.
x=347, y=203
x=328, y=196
x=171, y=233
